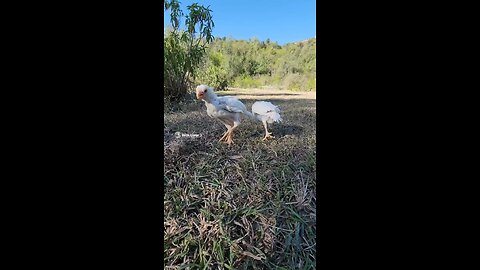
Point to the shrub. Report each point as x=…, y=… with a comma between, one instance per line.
x=184, y=49
x=246, y=82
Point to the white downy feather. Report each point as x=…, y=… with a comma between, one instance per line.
x=223, y=106
x=266, y=111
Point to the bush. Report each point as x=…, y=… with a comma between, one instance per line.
x=214, y=74
x=184, y=49
x=311, y=84
x=215, y=77
x=246, y=82
x=294, y=82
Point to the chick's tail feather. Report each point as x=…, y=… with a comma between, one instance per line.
x=250, y=115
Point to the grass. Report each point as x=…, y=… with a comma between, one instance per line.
x=292, y=82
x=246, y=206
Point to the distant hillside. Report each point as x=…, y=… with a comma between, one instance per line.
x=303, y=41
x=254, y=63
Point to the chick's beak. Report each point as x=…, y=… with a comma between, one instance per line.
x=199, y=95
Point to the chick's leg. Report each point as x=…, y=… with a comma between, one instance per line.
x=223, y=136
x=228, y=125
x=267, y=134
x=236, y=123
x=226, y=132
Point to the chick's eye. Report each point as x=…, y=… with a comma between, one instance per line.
x=205, y=90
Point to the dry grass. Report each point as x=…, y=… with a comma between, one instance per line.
x=247, y=206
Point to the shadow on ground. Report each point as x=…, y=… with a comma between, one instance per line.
x=283, y=130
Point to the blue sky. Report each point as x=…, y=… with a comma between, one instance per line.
x=282, y=21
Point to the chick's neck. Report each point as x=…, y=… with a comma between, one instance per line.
x=210, y=98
